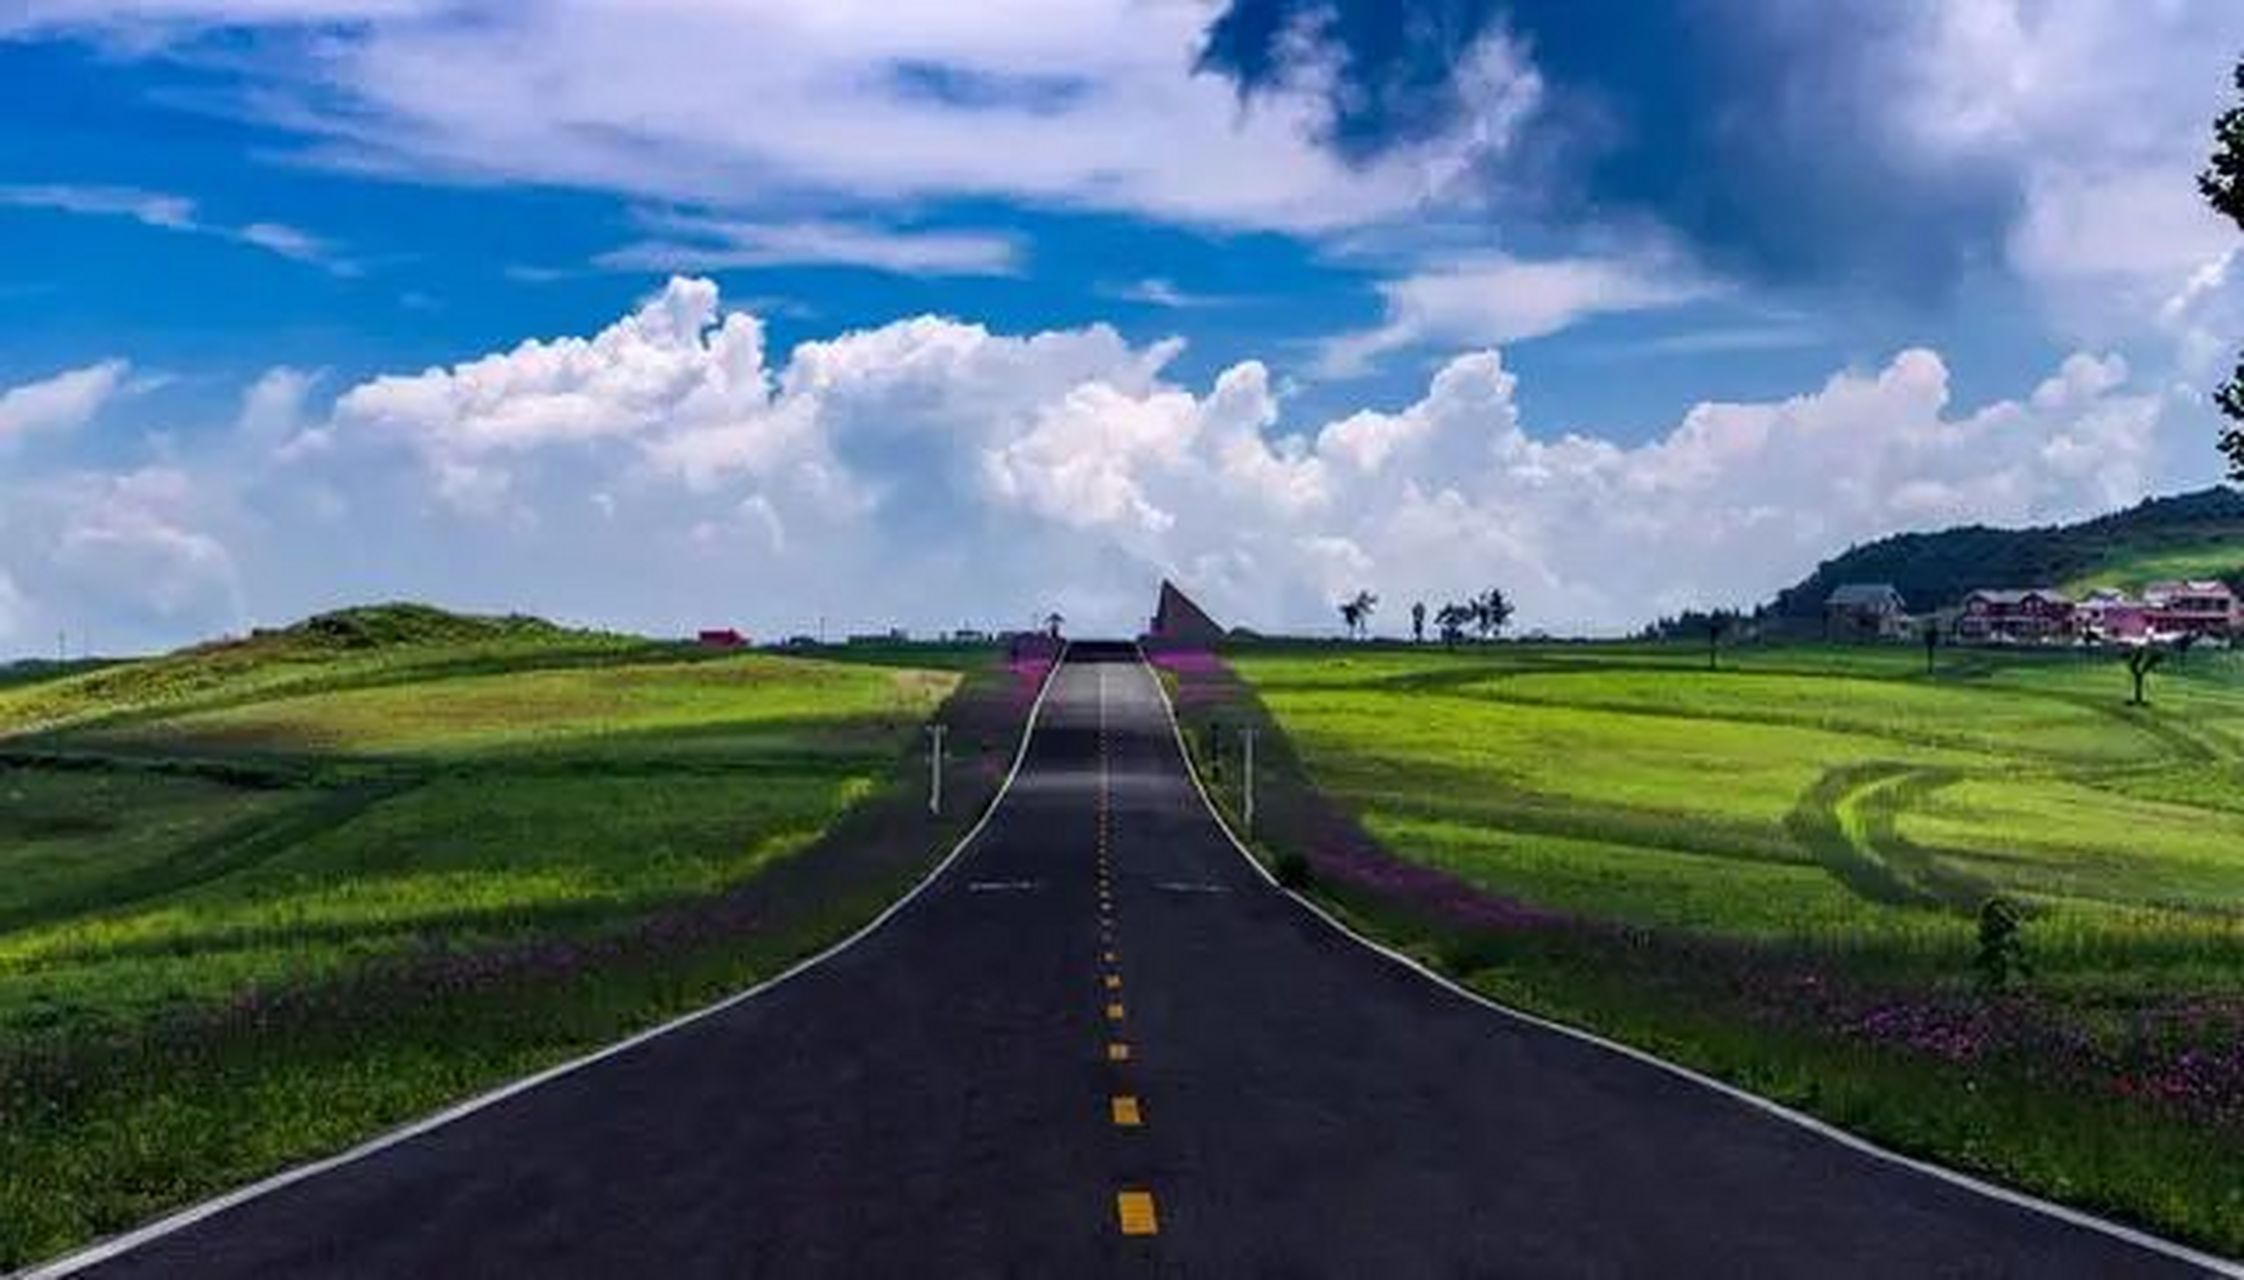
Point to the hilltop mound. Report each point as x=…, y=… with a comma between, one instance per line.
x=2192, y=535
x=385, y=641
x=380, y=626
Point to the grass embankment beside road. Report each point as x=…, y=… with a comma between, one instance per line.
x=1772, y=872
x=258, y=902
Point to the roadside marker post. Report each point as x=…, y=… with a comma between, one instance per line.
x=935, y=769
x=1247, y=810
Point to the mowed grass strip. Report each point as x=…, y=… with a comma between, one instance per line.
x=758, y=702
x=512, y=849
x=1682, y=761
x=457, y=863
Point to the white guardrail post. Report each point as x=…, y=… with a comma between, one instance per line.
x=935, y=769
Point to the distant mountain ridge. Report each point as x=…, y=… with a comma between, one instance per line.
x=2190, y=535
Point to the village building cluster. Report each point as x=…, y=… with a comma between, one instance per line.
x=2165, y=612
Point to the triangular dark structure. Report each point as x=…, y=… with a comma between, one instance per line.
x=1180, y=624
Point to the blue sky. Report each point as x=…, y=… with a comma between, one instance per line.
x=1622, y=307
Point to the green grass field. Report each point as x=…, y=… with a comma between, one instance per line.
x=2133, y=568
x=258, y=899
x=1834, y=817
x=2029, y=777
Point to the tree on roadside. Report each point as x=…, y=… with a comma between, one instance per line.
x=1418, y=622
x=1717, y=622
x=1932, y=643
x=2222, y=184
x=1052, y=622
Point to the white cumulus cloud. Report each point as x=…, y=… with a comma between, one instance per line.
x=668, y=470
x=63, y=402
x=937, y=453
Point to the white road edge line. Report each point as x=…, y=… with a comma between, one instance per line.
x=104, y=1250
x=2076, y=1217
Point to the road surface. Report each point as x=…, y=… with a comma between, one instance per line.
x=1101, y=1044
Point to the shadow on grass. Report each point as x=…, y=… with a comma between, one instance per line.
x=236, y=848
x=284, y=751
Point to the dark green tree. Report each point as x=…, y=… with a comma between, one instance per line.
x=2140, y=664
x=1490, y=612
x=1451, y=620
x=1418, y=623
x=2222, y=183
x=1356, y=612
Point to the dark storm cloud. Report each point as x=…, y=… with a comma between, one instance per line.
x=1762, y=133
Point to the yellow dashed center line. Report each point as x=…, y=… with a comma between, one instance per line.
x=1134, y=1210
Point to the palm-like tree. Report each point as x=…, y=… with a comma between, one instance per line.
x=1356, y=612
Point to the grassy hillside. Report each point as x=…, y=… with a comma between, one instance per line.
x=397, y=642
x=2195, y=535
x=260, y=898
x=1774, y=871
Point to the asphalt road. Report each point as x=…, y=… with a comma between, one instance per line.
x=1028, y=1073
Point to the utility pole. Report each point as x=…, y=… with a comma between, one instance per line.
x=1248, y=807
x=935, y=770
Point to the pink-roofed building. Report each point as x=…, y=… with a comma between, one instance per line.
x=2031, y=615
x=2112, y=617
x=2205, y=608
